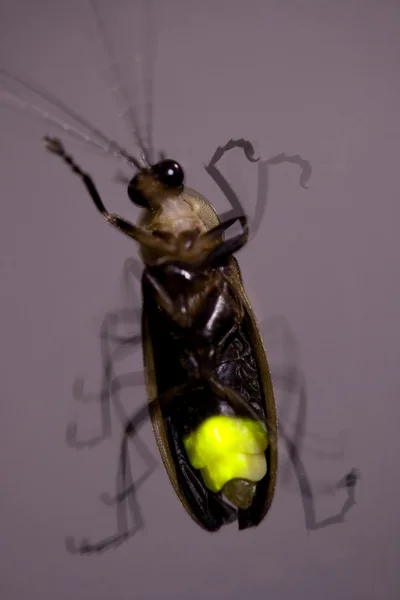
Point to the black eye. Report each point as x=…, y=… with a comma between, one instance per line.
x=135, y=194
x=169, y=173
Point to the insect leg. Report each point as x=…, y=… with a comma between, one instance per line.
x=54, y=145
x=219, y=179
x=207, y=256
x=219, y=229
x=262, y=177
x=166, y=399
x=133, y=270
x=227, y=248
x=163, y=297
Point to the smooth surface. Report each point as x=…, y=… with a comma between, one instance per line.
x=315, y=78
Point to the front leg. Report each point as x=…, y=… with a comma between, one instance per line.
x=262, y=177
x=220, y=180
x=226, y=248
x=55, y=146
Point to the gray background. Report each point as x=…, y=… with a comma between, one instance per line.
x=319, y=78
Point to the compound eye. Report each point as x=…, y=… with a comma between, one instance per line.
x=135, y=195
x=169, y=173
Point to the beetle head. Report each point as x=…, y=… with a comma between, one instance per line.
x=150, y=186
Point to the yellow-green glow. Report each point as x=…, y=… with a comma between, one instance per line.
x=226, y=448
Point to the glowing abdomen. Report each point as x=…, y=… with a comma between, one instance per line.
x=225, y=449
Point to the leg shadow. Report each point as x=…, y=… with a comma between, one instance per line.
x=115, y=347
x=128, y=512
x=290, y=383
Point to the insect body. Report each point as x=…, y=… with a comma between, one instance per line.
x=210, y=393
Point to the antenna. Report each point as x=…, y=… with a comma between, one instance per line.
x=118, y=88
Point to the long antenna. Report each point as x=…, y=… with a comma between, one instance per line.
x=89, y=134
x=149, y=41
x=118, y=88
